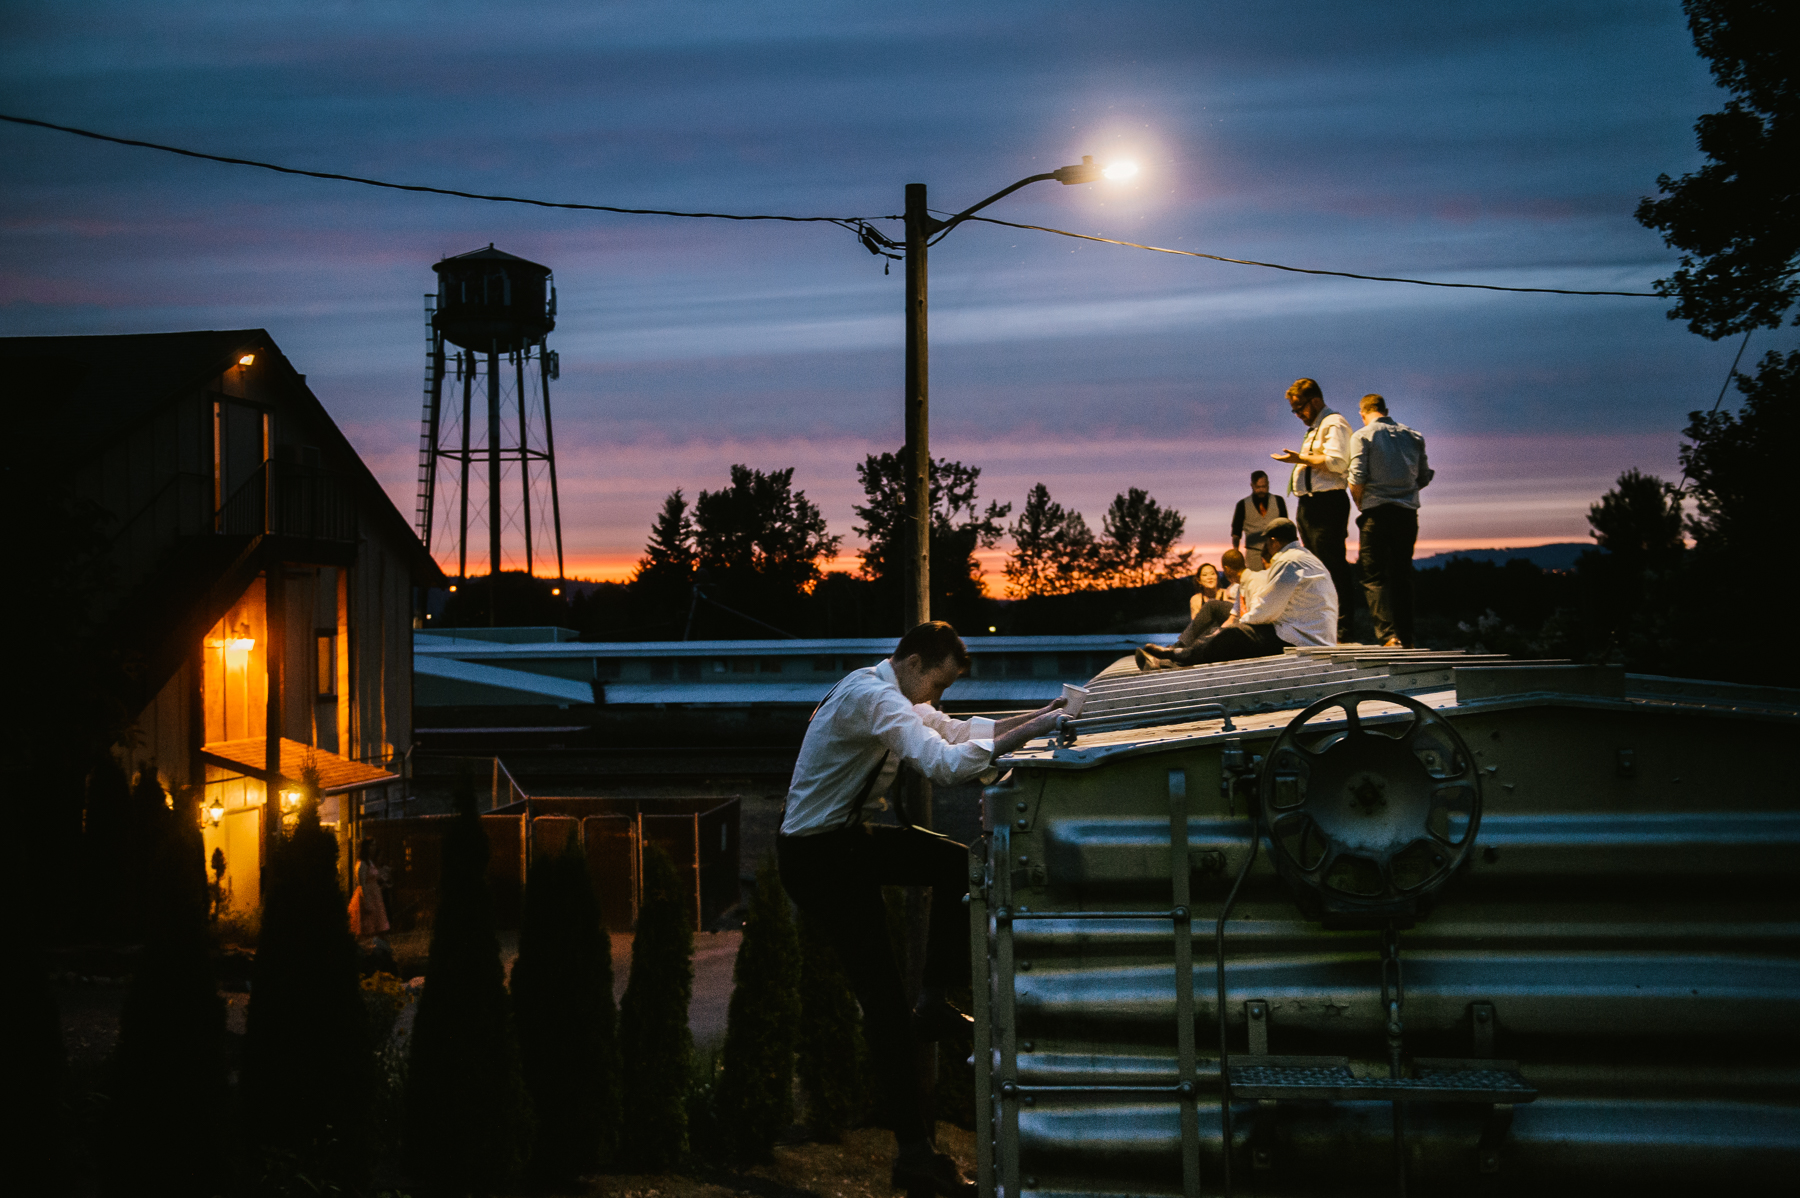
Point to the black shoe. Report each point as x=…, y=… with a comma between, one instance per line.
x=931, y=1173
x=1146, y=662
x=933, y=1021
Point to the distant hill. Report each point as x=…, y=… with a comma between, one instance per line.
x=1560, y=556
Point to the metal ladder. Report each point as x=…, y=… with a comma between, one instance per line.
x=991, y=889
x=427, y=431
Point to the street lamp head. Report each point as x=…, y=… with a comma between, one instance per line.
x=1085, y=172
x=1089, y=171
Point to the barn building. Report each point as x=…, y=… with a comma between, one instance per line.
x=262, y=581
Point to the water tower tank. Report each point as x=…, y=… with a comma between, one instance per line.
x=491, y=301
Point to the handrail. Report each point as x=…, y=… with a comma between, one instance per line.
x=1068, y=729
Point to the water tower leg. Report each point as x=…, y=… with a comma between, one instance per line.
x=524, y=457
x=467, y=361
x=493, y=452
x=550, y=458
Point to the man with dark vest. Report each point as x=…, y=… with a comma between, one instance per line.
x=1253, y=515
x=834, y=864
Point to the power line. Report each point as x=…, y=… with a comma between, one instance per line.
x=875, y=241
x=1302, y=270
x=853, y=222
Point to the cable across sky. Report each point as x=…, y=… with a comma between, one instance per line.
x=856, y=224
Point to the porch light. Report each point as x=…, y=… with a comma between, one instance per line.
x=241, y=644
x=290, y=799
x=216, y=812
x=247, y=360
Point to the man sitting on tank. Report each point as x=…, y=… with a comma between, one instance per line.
x=834, y=864
x=1295, y=603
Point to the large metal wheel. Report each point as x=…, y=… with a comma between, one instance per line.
x=1367, y=821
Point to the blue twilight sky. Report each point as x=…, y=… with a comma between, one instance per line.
x=1502, y=142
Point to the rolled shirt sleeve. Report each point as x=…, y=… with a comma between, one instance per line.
x=1335, y=444
x=945, y=750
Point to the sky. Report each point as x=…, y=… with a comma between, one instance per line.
x=1503, y=142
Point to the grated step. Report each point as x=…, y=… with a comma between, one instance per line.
x=1331, y=1078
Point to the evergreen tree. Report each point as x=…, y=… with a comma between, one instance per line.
x=1736, y=462
x=669, y=554
x=169, y=1068
x=1138, y=538
x=831, y=1054
x=1053, y=549
x=656, y=1049
x=308, y=1062
x=105, y=848
x=563, y=997
x=755, y=1096
x=959, y=526
x=1734, y=219
x=468, y=1121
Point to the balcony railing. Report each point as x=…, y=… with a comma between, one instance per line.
x=291, y=500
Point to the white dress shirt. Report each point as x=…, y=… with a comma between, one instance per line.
x=1297, y=597
x=1387, y=460
x=865, y=723
x=1329, y=434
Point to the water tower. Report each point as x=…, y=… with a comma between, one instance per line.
x=485, y=333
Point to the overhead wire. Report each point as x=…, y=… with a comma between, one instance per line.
x=871, y=238
x=1303, y=270
x=1681, y=487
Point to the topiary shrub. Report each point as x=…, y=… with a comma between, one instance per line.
x=754, y=1102
x=562, y=991
x=468, y=1120
x=656, y=1049
x=830, y=1055
x=308, y=1061
x=168, y=1071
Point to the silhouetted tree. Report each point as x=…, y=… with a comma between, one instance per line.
x=1053, y=549
x=169, y=1067
x=563, y=998
x=959, y=526
x=755, y=1096
x=1137, y=541
x=468, y=1121
x=308, y=1062
x=1737, y=219
x=656, y=1049
x=1736, y=462
x=758, y=544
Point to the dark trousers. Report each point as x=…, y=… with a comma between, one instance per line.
x=1389, y=533
x=1324, y=520
x=835, y=878
x=1233, y=644
x=1211, y=616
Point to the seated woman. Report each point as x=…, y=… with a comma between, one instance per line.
x=1214, y=601
x=1294, y=603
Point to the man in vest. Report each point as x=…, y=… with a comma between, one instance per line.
x=1320, y=468
x=1251, y=519
x=834, y=864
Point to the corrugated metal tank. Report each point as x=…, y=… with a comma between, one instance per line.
x=1624, y=926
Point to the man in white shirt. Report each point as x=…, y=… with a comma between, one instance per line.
x=1293, y=603
x=834, y=864
x=1387, y=468
x=1321, y=466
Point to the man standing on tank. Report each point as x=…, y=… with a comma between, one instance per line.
x=834, y=864
x=1387, y=468
x=1319, y=480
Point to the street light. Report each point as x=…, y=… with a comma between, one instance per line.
x=922, y=229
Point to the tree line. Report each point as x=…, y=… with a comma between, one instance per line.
x=751, y=559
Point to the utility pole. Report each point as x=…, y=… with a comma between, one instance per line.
x=917, y=521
